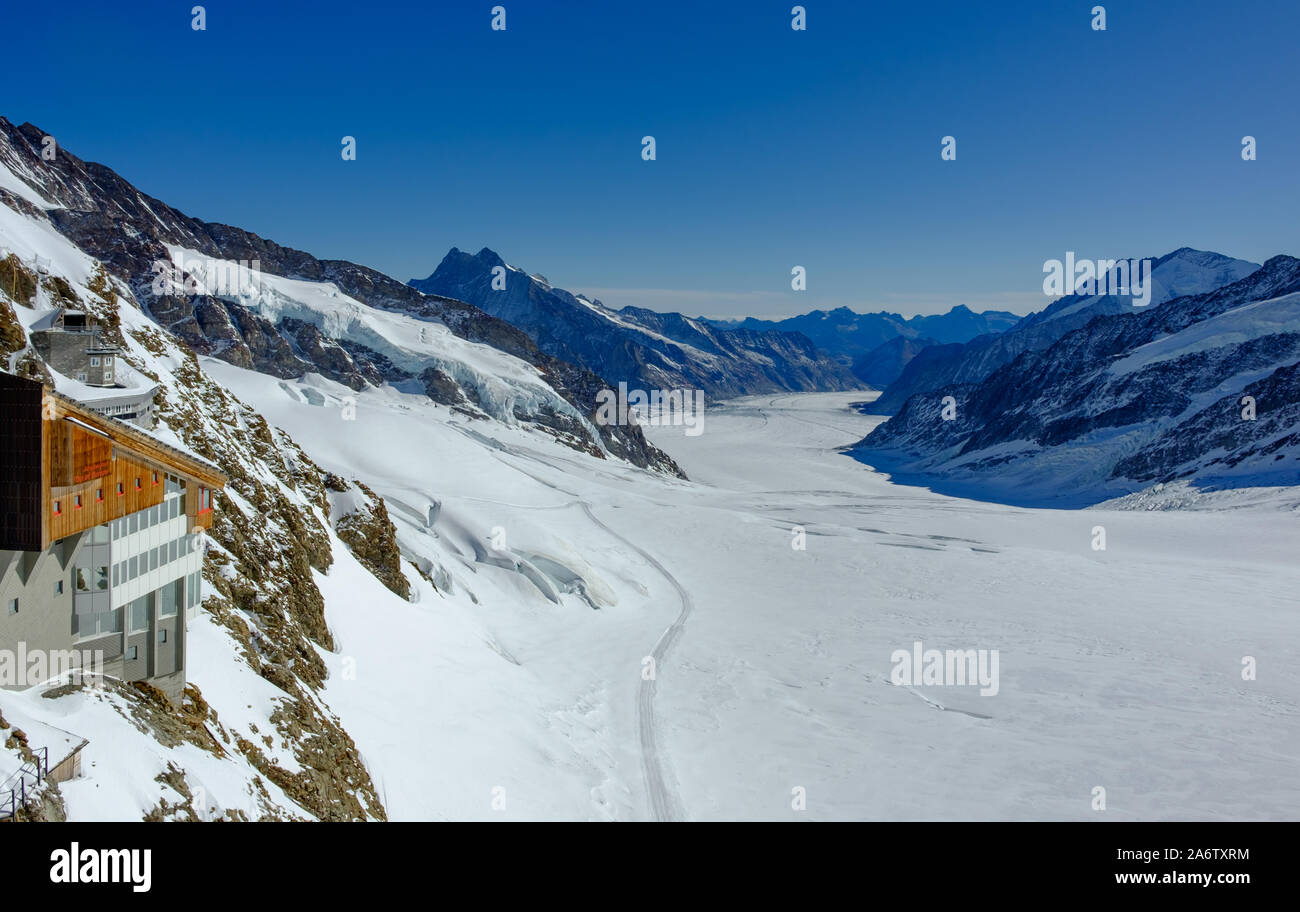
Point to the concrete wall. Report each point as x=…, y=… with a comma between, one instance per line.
x=68, y=353
x=44, y=618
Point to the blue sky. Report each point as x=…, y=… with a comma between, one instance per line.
x=775, y=148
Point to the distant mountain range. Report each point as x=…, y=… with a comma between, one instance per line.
x=643, y=348
x=1184, y=271
x=865, y=342
x=1204, y=386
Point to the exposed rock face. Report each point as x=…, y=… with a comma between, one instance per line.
x=1183, y=272
x=268, y=537
x=12, y=337
x=370, y=533
x=1153, y=395
x=641, y=347
x=16, y=281
x=125, y=229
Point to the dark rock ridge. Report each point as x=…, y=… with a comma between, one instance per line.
x=112, y=220
x=643, y=348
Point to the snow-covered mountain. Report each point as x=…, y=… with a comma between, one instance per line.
x=1183, y=272
x=641, y=347
x=272, y=332
x=1202, y=387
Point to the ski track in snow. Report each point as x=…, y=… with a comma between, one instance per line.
x=656, y=770
x=660, y=784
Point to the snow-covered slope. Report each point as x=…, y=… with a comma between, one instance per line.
x=498, y=384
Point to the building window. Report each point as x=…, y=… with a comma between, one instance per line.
x=76, y=501
x=139, y=614
x=115, y=581
x=134, y=567
x=132, y=652
x=99, y=495
x=94, y=360
x=155, y=477
x=81, y=376
x=162, y=635
x=108, y=374
x=170, y=598
x=58, y=587
x=205, y=500
x=133, y=523
x=121, y=489
x=13, y=606
x=138, y=483
x=58, y=507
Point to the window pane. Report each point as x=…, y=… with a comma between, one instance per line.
x=140, y=614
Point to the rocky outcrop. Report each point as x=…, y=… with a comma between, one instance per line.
x=369, y=532
x=12, y=337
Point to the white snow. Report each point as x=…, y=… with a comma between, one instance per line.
x=1119, y=668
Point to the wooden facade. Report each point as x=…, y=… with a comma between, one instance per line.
x=71, y=469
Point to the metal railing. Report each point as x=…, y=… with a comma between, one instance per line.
x=17, y=785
